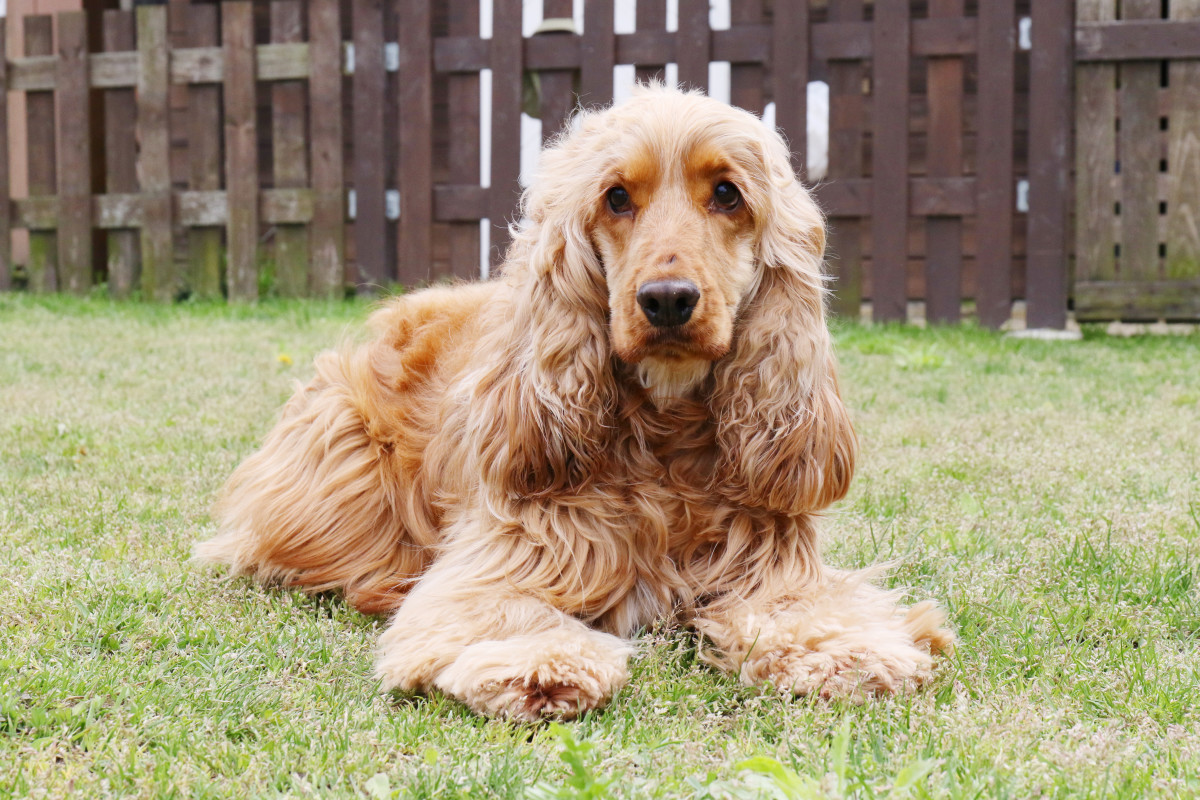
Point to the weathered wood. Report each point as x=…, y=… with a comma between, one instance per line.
x=463, y=89
x=505, y=189
x=889, y=220
x=1049, y=135
x=154, y=148
x=694, y=44
x=1183, y=159
x=42, y=268
x=789, y=69
x=371, y=249
x=927, y=197
x=6, y=270
x=327, y=244
x=943, y=234
x=1139, y=145
x=846, y=121
x=415, y=181
x=994, y=162
x=557, y=94
x=1159, y=299
x=598, y=54
x=746, y=89
x=120, y=152
x=241, y=150
x=205, y=251
x=1177, y=38
x=74, y=155
x=289, y=103
x=651, y=15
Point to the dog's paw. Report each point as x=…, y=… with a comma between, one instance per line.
x=558, y=674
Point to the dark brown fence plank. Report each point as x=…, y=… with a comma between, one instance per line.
x=415, y=181
x=120, y=152
x=1183, y=159
x=506, y=124
x=651, y=15
x=994, y=161
x=1049, y=134
x=789, y=53
x=557, y=86
x=463, y=92
x=943, y=235
x=889, y=167
x=1095, y=157
x=6, y=270
x=370, y=161
x=39, y=115
x=289, y=104
x=1140, y=148
x=746, y=88
x=695, y=43
x=328, y=171
x=204, y=156
x=846, y=121
x=599, y=54
x=241, y=149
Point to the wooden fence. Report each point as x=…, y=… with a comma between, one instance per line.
x=938, y=116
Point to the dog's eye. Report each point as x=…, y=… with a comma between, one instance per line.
x=618, y=200
x=726, y=196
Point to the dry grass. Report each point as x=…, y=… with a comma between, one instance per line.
x=1047, y=492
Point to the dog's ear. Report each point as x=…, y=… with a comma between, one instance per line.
x=541, y=414
x=786, y=439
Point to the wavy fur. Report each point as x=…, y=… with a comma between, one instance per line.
x=526, y=471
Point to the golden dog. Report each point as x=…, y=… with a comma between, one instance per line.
x=640, y=418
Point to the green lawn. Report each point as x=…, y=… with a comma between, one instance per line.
x=1047, y=492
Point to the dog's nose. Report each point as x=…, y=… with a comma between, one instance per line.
x=668, y=303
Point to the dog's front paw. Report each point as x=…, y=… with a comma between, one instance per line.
x=559, y=674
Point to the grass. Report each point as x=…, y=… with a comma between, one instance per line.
x=1047, y=492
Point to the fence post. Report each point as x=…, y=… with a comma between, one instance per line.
x=241, y=149
x=1049, y=131
x=1183, y=159
x=204, y=155
x=153, y=160
x=39, y=115
x=789, y=56
x=288, y=107
x=464, y=145
x=5, y=191
x=415, y=181
x=120, y=155
x=328, y=171
x=846, y=114
x=694, y=44
x=74, y=147
x=889, y=161
x=370, y=171
x=507, y=68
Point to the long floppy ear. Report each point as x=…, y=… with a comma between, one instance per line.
x=541, y=410
x=786, y=439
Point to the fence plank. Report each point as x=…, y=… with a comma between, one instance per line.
x=599, y=54
x=74, y=154
x=943, y=234
x=415, y=242
x=241, y=149
x=289, y=103
x=1095, y=156
x=557, y=86
x=789, y=54
x=846, y=120
x=463, y=92
x=1183, y=159
x=994, y=162
x=1049, y=192
x=6, y=270
x=204, y=156
x=154, y=149
x=889, y=165
x=1140, y=148
x=694, y=44
x=651, y=15
x=370, y=161
x=505, y=188
x=39, y=114
x=327, y=245
x=746, y=80
x=120, y=153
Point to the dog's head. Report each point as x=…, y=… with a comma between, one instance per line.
x=671, y=233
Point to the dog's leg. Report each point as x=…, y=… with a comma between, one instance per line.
x=501, y=651
x=809, y=629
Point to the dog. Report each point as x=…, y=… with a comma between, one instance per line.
x=640, y=418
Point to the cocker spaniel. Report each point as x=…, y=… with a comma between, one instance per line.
x=639, y=418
